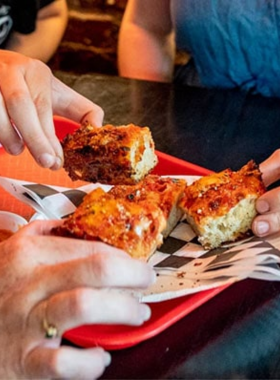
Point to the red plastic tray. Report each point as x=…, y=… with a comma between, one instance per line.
x=164, y=314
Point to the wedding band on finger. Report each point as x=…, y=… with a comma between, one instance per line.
x=51, y=330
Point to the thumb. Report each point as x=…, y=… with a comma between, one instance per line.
x=270, y=168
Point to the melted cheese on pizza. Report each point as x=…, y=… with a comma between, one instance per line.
x=216, y=194
x=163, y=192
x=129, y=226
x=221, y=207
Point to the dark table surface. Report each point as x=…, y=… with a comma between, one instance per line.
x=235, y=335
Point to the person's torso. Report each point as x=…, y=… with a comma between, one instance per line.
x=234, y=43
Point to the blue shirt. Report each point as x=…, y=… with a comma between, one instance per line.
x=234, y=43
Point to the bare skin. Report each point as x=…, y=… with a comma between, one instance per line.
x=146, y=50
x=268, y=205
x=50, y=26
x=29, y=96
x=70, y=283
x=147, y=41
x=64, y=281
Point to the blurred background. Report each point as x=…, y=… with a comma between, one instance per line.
x=90, y=40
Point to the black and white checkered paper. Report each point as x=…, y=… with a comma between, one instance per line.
x=182, y=265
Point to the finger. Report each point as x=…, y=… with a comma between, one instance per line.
x=268, y=224
x=98, y=271
x=84, y=306
x=42, y=98
x=70, y=104
x=269, y=201
x=76, y=262
x=66, y=363
x=28, y=122
x=57, y=249
x=271, y=168
x=9, y=138
x=268, y=206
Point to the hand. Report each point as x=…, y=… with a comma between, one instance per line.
x=29, y=96
x=268, y=205
x=67, y=283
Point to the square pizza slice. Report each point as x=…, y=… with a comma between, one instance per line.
x=164, y=192
x=135, y=228
x=110, y=154
x=220, y=207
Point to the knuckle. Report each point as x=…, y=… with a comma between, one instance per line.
x=276, y=157
x=79, y=302
x=18, y=246
x=42, y=103
x=21, y=255
x=100, y=268
x=17, y=97
x=273, y=221
x=39, y=65
x=276, y=154
x=277, y=221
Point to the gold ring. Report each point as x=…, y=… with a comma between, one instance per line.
x=51, y=331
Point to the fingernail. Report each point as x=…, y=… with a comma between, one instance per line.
x=108, y=358
x=262, y=228
x=58, y=163
x=46, y=160
x=145, y=312
x=262, y=206
x=16, y=149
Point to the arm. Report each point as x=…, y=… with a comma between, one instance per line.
x=146, y=48
x=268, y=205
x=43, y=42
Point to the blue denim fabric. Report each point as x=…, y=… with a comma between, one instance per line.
x=234, y=43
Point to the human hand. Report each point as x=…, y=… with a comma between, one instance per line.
x=268, y=205
x=29, y=96
x=66, y=283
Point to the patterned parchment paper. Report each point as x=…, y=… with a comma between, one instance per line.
x=182, y=265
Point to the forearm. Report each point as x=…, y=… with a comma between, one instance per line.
x=43, y=42
x=146, y=47
x=145, y=55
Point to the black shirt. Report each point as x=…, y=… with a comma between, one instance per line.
x=20, y=16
